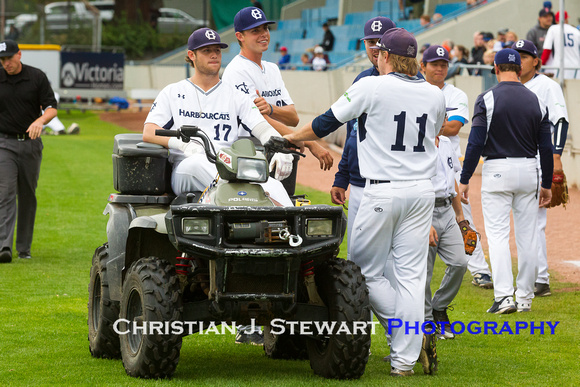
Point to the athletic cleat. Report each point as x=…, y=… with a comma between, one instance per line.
x=387, y=358
x=5, y=256
x=24, y=255
x=254, y=338
x=73, y=129
x=398, y=372
x=525, y=306
x=504, y=306
x=482, y=280
x=428, y=355
x=542, y=290
x=442, y=321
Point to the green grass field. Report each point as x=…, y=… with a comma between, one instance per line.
x=43, y=304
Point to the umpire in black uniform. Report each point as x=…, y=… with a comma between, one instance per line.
x=24, y=93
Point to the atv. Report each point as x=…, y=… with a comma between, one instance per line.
x=174, y=266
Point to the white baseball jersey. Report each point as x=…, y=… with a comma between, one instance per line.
x=550, y=92
x=216, y=111
x=403, y=115
x=456, y=98
x=247, y=76
x=447, y=166
x=571, y=53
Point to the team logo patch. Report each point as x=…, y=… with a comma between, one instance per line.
x=225, y=158
x=376, y=26
x=242, y=193
x=411, y=50
x=497, y=175
x=210, y=34
x=440, y=51
x=2, y=46
x=347, y=97
x=378, y=209
x=256, y=14
x=511, y=57
x=243, y=87
x=520, y=44
x=153, y=105
x=450, y=162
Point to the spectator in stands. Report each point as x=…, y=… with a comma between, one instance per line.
x=318, y=62
x=473, y=3
x=328, y=40
x=510, y=38
x=306, y=62
x=257, y=4
x=284, y=59
x=437, y=17
x=448, y=44
x=13, y=34
x=459, y=55
x=477, y=51
x=500, y=40
x=418, y=7
x=488, y=57
x=425, y=20
x=537, y=34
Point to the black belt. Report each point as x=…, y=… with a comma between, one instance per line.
x=379, y=181
x=443, y=202
x=19, y=137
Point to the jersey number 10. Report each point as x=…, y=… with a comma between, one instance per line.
x=400, y=119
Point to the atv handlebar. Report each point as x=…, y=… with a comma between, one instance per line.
x=185, y=133
x=280, y=145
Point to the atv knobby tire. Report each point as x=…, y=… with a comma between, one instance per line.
x=150, y=293
x=103, y=312
x=284, y=346
x=343, y=289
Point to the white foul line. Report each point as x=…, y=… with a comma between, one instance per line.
x=577, y=263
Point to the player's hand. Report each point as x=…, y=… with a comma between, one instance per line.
x=463, y=193
x=299, y=144
x=545, y=197
x=188, y=148
x=263, y=106
x=338, y=195
x=433, y=238
x=35, y=129
x=322, y=154
x=283, y=165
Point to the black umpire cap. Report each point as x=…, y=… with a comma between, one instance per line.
x=8, y=48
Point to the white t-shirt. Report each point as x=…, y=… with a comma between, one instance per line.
x=318, y=64
x=447, y=166
x=456, y=98
x=216, y=111
x=553, y=42
x=403, y=116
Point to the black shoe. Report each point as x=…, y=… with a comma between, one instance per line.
x=5, y=256
x=482, y=280
x=24, y=255
x=542, y=290
x=428, y=355
x=443, y=324
x=504, y=306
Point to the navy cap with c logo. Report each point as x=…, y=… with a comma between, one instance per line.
x=250, y=17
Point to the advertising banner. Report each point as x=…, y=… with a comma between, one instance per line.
x=91, y=70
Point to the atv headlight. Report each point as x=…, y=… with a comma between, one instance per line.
x=195, y=226
x=319, y=227
x=252, y=170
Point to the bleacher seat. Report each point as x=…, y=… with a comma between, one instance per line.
x=450, y=8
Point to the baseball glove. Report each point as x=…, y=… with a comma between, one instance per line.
x=469, y=236
x=559, y=189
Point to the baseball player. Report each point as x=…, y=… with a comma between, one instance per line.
x=348, y=169
x=397, y=157
x=509, y=124
x=435, y=66
x=551, y=55
x=262, y=80
x=551, y=94
x=445, y=238
x=203, y=100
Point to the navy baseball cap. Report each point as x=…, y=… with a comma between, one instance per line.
x=526, y=46
x=377, y=26
x=435, y=52
x=398, y=41
x=507, y=56
x=250, y=17
x=8, y=48
x=204, y=37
